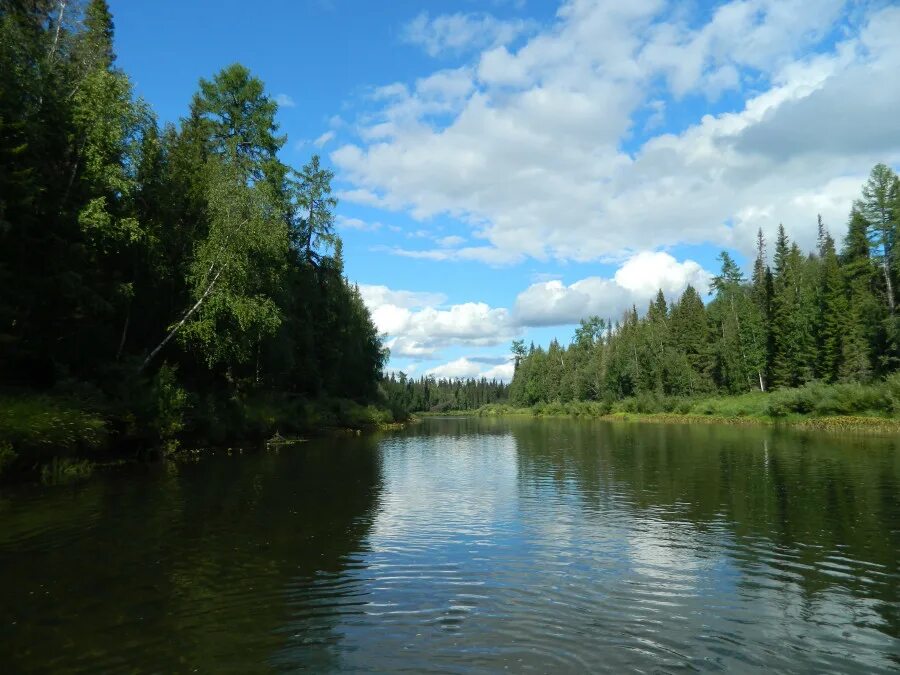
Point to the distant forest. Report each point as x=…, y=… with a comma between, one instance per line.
x=430, y=394
x=161, y=267
x=829, y=316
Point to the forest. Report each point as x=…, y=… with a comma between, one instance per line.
x=438, y=395
x=824, y=324
x=161, y=281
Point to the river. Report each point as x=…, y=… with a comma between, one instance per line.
x=467, y=545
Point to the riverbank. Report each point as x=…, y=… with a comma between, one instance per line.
x=56, y=437
x=836, y=407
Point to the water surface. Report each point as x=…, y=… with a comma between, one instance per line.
x=467, y=545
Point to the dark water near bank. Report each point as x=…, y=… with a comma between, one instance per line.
x=468, y=546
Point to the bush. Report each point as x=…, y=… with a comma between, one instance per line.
x=169, y=402
x=891, y=389
x=41, y=425
x=35, y=428
x=835, y=399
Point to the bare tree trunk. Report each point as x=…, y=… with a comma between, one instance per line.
x=124, y=334
x=887, y=282
x=187, y=315
x=59, y=20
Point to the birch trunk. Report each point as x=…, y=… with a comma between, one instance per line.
x=184, y=319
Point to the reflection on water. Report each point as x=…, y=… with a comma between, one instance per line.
x=469, y=545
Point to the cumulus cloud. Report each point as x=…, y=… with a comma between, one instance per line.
x=525, y=145
x=419, y=325
x=636, y=282
x=456, y=33
x=376, y=296
x=467, y=368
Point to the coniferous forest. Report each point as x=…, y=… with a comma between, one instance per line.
x=437, y=395
x=175, y=279
x=807, y=320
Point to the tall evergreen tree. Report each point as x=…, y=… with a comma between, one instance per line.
x=879, y=196
x=833, y=310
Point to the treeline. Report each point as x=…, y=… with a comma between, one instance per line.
x=428, y=394
x=828, y=316
x=175, y=271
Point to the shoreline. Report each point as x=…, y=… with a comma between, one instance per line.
x=56, y=439
x=829, y=423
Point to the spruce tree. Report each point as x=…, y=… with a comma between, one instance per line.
x=833, y=312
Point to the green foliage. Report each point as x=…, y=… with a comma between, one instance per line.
x=836, y=399
x=169, y=403
x=428, y=394
x=125, y=247
x=36, y=428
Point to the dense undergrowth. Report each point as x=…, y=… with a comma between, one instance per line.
x=57, y=437
x=809, y=404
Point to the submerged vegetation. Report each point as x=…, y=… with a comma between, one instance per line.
x=160, y=282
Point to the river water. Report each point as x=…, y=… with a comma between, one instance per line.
x=468, y=545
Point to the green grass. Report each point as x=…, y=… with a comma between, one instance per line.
x=835, y=407
x=35, y=428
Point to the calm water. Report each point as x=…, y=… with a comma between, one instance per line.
x=468, y=545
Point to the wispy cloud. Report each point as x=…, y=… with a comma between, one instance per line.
x=285, y=101
x=343, y=222
x=324, y=139
x=456, y=33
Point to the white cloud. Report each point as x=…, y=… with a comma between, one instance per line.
x=456, y=33
x=324, y=139
x=285, y=101
x=450, y=241
x=419, y=325
x=467, y=368
x=525, y=145
x=486, y=254
x=636, y=282
x=347, y=223
x=502, y=372
x=375, y=296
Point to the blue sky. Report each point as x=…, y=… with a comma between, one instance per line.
x=508, y=167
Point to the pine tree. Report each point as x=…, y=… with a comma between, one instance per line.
x=865, y=312
x=690, y=338
x=833, y=310
x=784, y=309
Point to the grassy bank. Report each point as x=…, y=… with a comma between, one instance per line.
x=874, y=407
x=38, y=431
x=57, y=437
